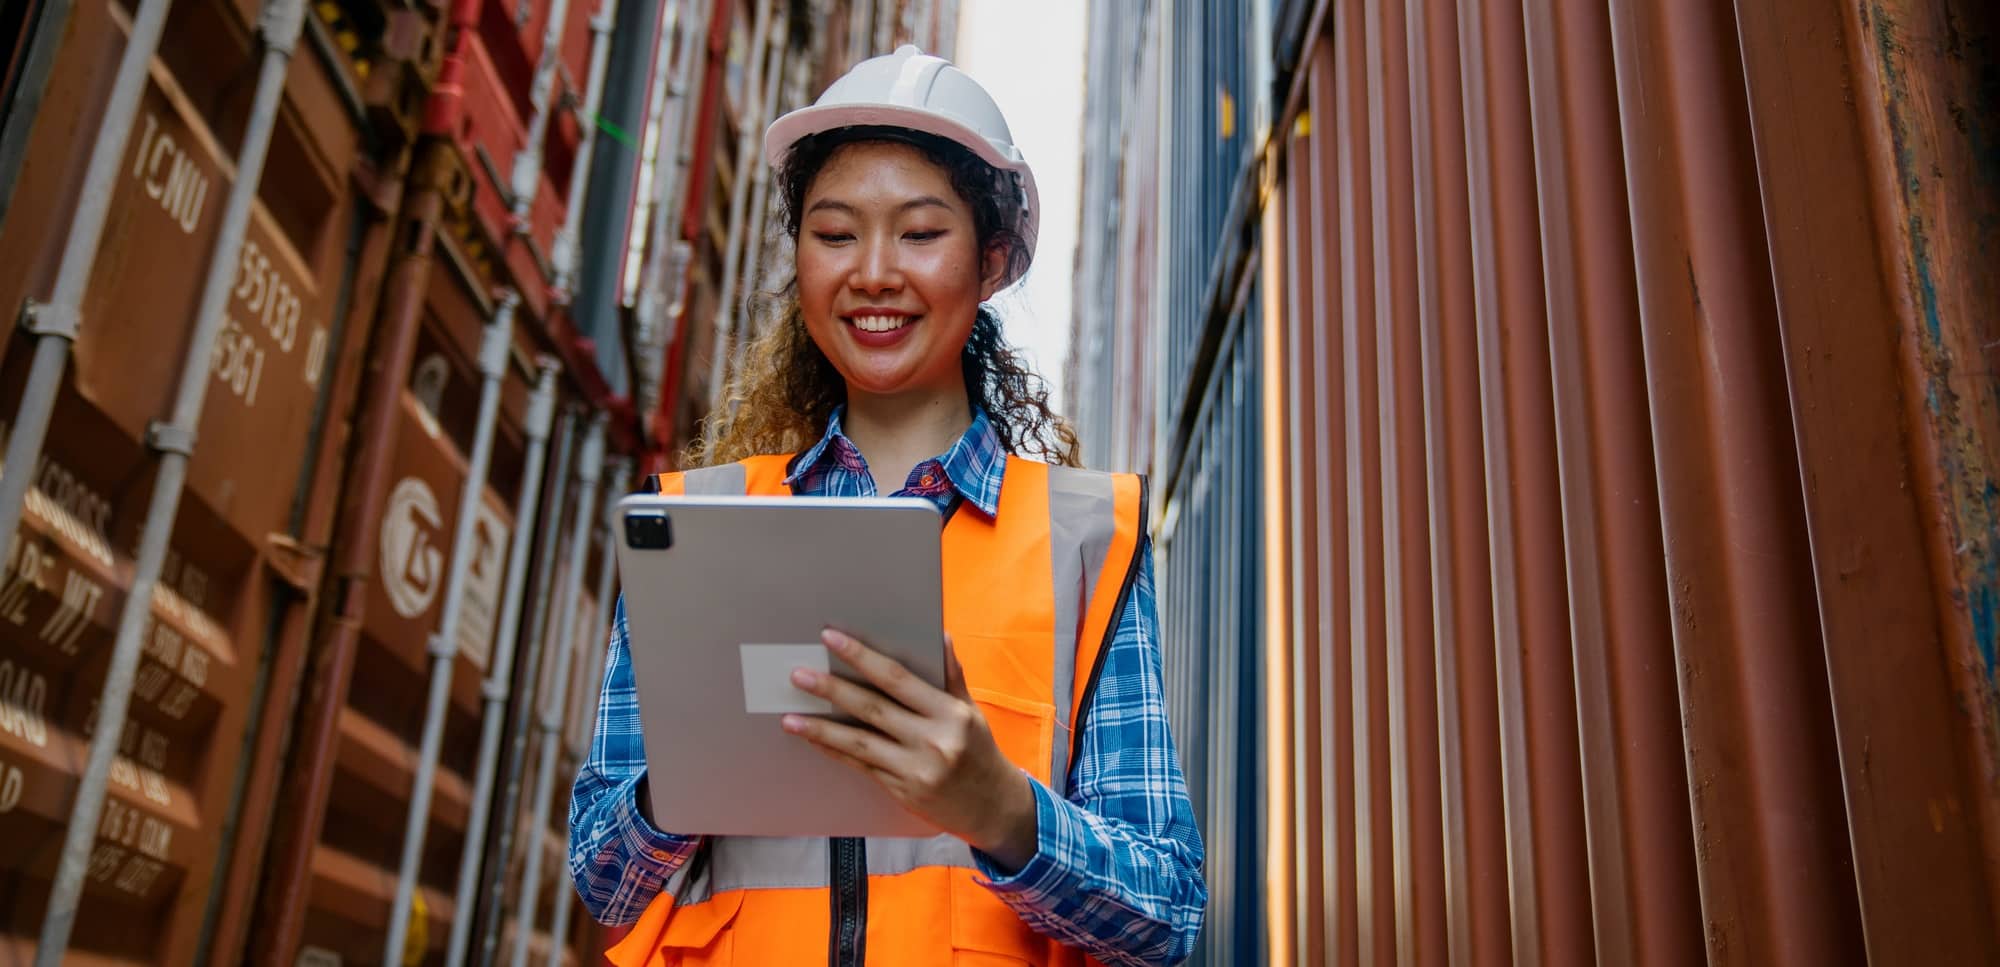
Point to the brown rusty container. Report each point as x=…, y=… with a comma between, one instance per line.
x=336, y=860
x=578, y=720
x=353, y=875
x=237, y=574
x=1637, y=428
x=352, y=859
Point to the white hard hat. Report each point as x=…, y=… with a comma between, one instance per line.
x=914, y=90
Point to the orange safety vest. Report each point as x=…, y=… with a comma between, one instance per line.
x=1031, y=599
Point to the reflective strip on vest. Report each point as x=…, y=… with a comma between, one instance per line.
x=767, y=863
x=726, y=480
x=1094, y=523
x=1082, y=515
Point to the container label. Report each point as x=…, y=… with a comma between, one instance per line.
x=139, y=318
x=170, y=176
x=11, y=784
x=483, y=578
x=23, y=697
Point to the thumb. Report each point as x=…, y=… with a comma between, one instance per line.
x=954, y=673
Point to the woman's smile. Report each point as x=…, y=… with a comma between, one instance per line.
x=880, y=328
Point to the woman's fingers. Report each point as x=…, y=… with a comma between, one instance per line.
x=933, y=751
x=866, y=704
x=887, y=674
x=870, y=750
x=849, y=761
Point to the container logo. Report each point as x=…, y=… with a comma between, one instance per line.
x=412, y=554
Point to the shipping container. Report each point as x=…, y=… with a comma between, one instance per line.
x=353, y=871
x=257, y=806
x=1607, y=559
x=173, y=866
x=378, y=851
x=1209, y=551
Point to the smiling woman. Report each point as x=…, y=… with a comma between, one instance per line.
x=1045, y=762
x=885, y=219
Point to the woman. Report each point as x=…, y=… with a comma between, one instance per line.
x=1046, y=759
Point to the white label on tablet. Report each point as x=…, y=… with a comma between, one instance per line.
x=767, y=679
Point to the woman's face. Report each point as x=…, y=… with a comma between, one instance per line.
x=890, y=273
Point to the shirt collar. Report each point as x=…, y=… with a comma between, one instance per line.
x=825, y=448
x=975, y=463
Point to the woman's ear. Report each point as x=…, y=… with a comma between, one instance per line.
x=993, y=269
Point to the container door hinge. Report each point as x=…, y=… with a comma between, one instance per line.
x=47, y=319
x=168, y=438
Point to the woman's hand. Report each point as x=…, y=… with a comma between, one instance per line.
x=930, y=749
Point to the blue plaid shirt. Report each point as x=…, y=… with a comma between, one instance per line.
x=1118, y=870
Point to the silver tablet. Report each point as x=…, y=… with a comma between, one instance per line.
x=724, y=596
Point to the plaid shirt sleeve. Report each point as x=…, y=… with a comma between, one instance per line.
x=618, y=860
x=1117, y=873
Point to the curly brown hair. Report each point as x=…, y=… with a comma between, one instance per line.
x=785, y=389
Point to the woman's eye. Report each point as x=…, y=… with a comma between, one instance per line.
x=923, y=236
x=833, y=238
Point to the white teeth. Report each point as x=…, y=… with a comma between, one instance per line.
x=879, y=323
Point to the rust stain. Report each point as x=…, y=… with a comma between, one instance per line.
x=1968, y=483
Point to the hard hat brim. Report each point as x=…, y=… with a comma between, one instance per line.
x=789, y=129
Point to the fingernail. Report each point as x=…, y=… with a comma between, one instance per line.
x=804, y=678
x=793, y=724
x=835, y=640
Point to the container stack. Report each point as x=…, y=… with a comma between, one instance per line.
x=385, y=586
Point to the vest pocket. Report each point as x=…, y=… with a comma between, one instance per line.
x=986, y=932
x=1024, y=730
x=698, y=935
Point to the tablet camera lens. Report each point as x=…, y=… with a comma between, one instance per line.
x=649, y=532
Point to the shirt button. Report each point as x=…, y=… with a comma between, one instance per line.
x=929, y=481
x=659, y=854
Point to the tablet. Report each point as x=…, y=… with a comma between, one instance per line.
x=724, y=596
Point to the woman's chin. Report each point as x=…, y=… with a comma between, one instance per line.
x=881, y=387
x=890, y=382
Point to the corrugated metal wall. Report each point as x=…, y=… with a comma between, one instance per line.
x=1208, y=551
x=1620, y=491
x=195, y=761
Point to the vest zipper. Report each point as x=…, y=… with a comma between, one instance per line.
x=847, y=941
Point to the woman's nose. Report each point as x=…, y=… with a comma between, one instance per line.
x=877, y=270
